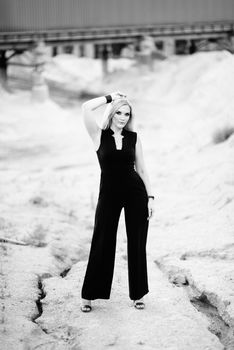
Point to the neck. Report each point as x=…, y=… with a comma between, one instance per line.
x=116, y=129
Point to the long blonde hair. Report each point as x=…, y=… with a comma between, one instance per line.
x=110, y=111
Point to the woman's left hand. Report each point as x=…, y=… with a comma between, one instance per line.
x=117, y=94
x=150, y=208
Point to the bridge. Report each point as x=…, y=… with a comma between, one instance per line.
x=21, y=40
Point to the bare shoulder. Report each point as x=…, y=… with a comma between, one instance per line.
x=96, y=138
x=138, y=139
x=139, y=148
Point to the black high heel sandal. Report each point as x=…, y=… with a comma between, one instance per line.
x=139, y=305
x=86, y=308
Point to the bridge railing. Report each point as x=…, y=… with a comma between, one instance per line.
x=21, y=39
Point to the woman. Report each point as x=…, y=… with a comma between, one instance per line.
x=124, y=184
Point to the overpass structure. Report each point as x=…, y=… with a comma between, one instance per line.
x=96, y=28
x=79, y=22
x=22, y=40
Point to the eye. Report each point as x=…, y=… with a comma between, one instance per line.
x=118, y=112
x=127, y=114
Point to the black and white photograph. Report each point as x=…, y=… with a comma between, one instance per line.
x=117, y=174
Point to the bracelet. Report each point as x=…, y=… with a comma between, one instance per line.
x=108, y=98
x=150, y=197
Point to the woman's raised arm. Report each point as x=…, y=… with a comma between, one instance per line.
x=90, y=106
x=89, y=120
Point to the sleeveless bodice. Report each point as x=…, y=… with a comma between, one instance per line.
x=118, y=174
x=116, y=161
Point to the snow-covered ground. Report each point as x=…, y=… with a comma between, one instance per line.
x=49, y=182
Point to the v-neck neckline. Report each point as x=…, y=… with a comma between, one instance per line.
x=114, y=144
x=122, y=132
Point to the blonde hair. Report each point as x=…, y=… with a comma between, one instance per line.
x=110, y=111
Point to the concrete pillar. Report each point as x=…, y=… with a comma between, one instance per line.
x=76, y=50
x=232, y=42
x=54, y=51
x=104, y=57
x=89, y=50
x=109, y=49
x=50, y=51
x=169, y=46
x=60, y=50
x=40, y=90
x=3, y=69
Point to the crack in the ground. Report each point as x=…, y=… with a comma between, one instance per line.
x=224, y=253
x=217, y=325
x=65, y=272
x=12, y=241
x=41, y=296
x=200, y=300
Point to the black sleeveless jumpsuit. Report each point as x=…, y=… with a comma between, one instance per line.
x=120, y=187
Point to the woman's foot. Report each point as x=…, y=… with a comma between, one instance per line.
x=139, y=304
x=86, y=305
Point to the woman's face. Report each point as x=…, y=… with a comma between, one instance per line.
x=121, y=117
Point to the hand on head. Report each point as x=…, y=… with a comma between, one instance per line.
x=117, y=95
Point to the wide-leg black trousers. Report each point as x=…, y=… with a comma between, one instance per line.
x=100, y=268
